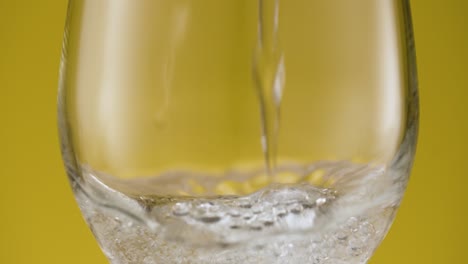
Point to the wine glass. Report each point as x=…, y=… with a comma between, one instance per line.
x=238, y=131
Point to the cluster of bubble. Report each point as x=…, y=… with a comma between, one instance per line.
x=232, y=220
x=254, y=229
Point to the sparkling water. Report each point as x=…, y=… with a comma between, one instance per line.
x=343, y=221
x=269, y=77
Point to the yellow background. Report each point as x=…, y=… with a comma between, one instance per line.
x=40, y=221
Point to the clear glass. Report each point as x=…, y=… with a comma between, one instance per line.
x=238, y=131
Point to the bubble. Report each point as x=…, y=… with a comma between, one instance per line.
x=308, y=205
x=245, y=205
x=234, y=213
x=207, y=206
x=247, y=216
x=341, y=235
x=256, y=209
x=180, y=209
x=256, y=227
x=352, y=224
x=365, y=230
x=295, y=208
x=355, y=247
x=210, y=219
x=321, y=201
x=280, y=211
